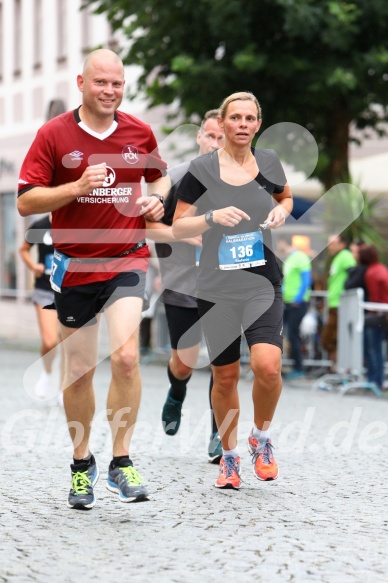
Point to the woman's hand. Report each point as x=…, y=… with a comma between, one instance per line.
x=276, y=218
x=229, y=216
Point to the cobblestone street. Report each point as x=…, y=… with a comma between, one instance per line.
x=325, y=519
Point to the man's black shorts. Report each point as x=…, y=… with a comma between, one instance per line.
x=180, y=321
x=78, y=305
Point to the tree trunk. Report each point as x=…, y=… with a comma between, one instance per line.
x=337, y=145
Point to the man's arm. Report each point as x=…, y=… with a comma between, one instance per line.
x=151, y=207
x=160, y=186
x=40, y=199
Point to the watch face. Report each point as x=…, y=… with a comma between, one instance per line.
x=209, y=218
x=160, y=197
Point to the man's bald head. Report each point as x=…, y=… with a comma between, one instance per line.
x=100, y=56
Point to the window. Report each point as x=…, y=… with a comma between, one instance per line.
x=85, y=31
x=38, y=25
x=17, y=41
x=61, y=31
x=8, y=242
x=1, y=42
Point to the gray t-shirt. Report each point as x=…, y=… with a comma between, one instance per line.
x=177, y=260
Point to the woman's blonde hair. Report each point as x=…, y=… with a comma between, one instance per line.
x=239, y=96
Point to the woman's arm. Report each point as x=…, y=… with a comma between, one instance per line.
x=187, y=224
x=283, y=208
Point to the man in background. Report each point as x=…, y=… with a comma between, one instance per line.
x=296, y=290
x=342, y=261
x=179, y=272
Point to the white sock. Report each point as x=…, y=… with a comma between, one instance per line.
x=259, y=434
x=230, y=452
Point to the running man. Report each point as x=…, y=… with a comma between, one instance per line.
x=178, y=267
x=85, y=166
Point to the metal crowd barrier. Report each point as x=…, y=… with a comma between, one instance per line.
x=350, y=345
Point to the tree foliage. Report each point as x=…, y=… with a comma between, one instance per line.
x=318, y=63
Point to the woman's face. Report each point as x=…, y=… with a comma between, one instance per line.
x=241, y=122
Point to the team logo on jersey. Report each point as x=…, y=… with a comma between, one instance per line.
x=110, y=177
x=76, y=155
x=130, y=154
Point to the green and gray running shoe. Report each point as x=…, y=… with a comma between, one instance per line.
x=171, y=415
x=125, y=481
x=215, y=449
x=83, y=479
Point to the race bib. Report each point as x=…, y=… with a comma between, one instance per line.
x=241, y=251
x=58, y=271
x=48, y=263
x=198, y=251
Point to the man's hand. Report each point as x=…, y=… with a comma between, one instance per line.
x=151, y=208
x=93, y=177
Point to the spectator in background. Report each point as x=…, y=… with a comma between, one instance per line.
x=356, y=274
x=376, y=283
x=296, y=290
x=41, y=297
x=341, y=262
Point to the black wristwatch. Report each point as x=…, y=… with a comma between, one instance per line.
x=160, y=197
x=209, y=218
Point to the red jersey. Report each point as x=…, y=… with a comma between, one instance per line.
x=376, y=281
x=106, y=222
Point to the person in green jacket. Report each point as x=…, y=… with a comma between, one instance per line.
x=341, y=262
x=296, y=290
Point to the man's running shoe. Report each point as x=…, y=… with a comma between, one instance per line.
x=230, y=475
x=264, y=464
x=171, y=415
x=83, y=479
x=44, y=386
x=125, y=481
x=215, y=449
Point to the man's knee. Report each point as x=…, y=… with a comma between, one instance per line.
x=125, y=361
x=78, y=374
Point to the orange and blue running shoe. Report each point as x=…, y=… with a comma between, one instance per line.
x=264, y=465
x=230, y=475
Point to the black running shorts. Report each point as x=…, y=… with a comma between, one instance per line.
x=179, y=321
x=78, y=305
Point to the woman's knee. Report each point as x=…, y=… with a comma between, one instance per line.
x=226, y=379
x=269, y=370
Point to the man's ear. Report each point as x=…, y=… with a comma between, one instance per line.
x=80, y=82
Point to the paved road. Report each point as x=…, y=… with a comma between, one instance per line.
x=325, y=519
